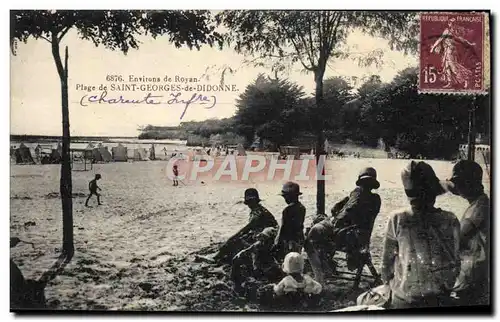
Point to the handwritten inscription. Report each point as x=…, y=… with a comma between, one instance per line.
x=150, y=99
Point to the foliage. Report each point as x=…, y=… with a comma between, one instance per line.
x=311, y=38
x=430, y=125
x=114, y=29
x=271, y=109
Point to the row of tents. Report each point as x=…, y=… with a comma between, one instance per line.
x=48, y=154
x=120, y=153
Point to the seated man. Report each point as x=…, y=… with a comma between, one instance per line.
x=260, y=218
x=256, y=261
x=346, y=227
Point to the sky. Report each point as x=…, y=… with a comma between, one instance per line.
x=36, y=96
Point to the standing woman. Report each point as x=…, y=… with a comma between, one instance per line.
x=420, y=260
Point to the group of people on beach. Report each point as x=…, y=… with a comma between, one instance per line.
x=429, y=259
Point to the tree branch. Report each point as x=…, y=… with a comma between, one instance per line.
x=310, y=51
x=333, y=39
x=289, y=36
x=66, y=62
x=56, y=54
x=44, y=38
x=63, y=33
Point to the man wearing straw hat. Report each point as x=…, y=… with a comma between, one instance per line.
x=290, y=237
x=472, y=285
x=358, y=211
x=260, y=218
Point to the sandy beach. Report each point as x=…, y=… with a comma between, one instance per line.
x=135, y=252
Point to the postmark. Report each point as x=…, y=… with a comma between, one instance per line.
x=452, y=53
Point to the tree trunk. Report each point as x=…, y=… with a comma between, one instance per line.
x=66, y=181
x=320, y=143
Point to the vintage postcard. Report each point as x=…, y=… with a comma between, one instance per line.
x=250, y=161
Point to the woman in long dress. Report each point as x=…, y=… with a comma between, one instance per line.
x=453, y=72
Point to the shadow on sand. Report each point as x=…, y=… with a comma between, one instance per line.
x=28, y=294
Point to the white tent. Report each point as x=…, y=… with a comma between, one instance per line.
x=241, y=150
x=119, y=153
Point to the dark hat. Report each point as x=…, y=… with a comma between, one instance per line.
x=419, y=177
x=466, y=172
x=291, y=188
x=368, y=176
x=251, y=194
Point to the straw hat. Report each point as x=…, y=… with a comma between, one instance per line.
x=418, y=178
x=293, y=263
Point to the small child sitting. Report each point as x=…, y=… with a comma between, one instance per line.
x=294, y=290
x=296, y=281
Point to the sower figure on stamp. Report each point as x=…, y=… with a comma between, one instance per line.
x=290, y=237
x=260, y=218
x=93, y=190
x=472, y=285
x=352, y=220
x=453, y=72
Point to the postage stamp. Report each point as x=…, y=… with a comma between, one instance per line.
x=452, y=53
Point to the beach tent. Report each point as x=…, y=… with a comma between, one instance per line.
x=152, y=154
x=96, y=155
x=143, y=153
x=198, y=154
x=241, y=150
x=140, y=154
x=59, y=148
x=38, y=150
x=119, y=153
x=105, y=155
x=23, y=154
x=130, y=154
x=55, y=156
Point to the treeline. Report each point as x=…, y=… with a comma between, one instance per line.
x=272, y=112
x=432, y=126
x=208, y=132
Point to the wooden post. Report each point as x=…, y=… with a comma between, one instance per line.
x=471, y=146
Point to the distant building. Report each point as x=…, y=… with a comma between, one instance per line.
x=482, y=153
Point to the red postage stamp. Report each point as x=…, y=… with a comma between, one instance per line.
x=452, y=52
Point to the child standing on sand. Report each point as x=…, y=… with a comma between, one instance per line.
x=93, y=190
x=176, y=174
